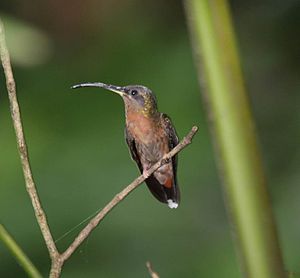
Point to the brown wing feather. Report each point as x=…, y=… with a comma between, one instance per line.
x=173, y=141
x=173, y=138
x=132, y=148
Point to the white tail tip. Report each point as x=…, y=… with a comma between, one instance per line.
x=172, y=204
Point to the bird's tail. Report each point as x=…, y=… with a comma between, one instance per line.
x=169, y=194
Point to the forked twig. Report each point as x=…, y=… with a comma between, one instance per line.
x=58, y=259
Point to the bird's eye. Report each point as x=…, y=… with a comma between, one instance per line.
x=134, y=92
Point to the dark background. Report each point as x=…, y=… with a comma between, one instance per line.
x=76, y=143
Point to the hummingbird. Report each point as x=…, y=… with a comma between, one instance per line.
x=149, y=135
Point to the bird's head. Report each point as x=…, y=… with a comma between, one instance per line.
x=137, y=98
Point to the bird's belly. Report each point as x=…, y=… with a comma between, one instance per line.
x=150, y=139
x=152, y=151
x=151, y=147
x=151, y=154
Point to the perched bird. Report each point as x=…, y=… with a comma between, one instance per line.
x=149, y=135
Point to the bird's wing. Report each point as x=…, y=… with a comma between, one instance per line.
x=132, y=148
x=173, y=138
x=173, y=193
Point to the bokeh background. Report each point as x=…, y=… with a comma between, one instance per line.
x=76, y=143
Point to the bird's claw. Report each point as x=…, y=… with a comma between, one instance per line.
x=166, y=160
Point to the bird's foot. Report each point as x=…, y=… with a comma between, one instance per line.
x=146, y=174
x=165, y=161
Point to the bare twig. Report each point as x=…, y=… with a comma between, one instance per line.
x=17, y=122
x=120, y=196
x=152, y=273
x=57, y=259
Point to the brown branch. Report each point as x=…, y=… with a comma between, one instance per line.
x=17, y=122
x=58, y=259
x=120, y=196
x=152, y=273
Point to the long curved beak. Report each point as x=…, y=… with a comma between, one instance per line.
x=116, y=89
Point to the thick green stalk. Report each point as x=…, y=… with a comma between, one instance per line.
x=19, y=255
x=235, y=138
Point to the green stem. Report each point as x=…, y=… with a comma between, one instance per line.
x=238, y=155
x=19, y=255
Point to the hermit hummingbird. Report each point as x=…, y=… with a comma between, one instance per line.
x=149, y=135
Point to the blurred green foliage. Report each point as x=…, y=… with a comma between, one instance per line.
x=79, y=157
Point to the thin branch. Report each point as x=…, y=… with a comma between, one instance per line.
x=57, y=259
x=17, y=122
x=152, y=273
x=120, y=196
x=18, y=254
